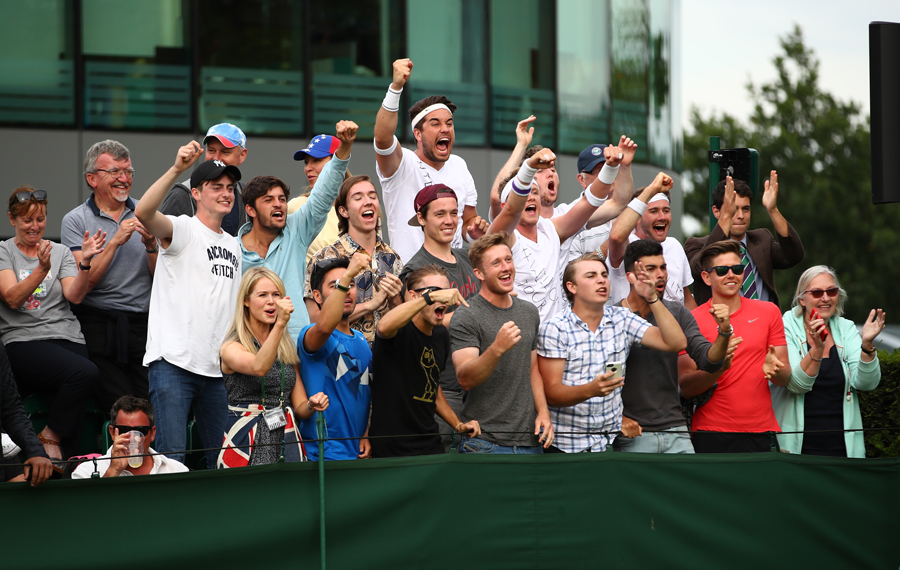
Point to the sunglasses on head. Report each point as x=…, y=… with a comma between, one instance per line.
x=25, y=196
x=430, y=289
x=722, y=270
x=817, y=293
x=144, y=430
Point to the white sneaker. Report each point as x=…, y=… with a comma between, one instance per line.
x=10, y=449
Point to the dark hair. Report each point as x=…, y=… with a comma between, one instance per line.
x=484, y=243
x=427, y=102
x=569, y=271
x=322, y=267
x=415, y=277
x=259, y=186
x=531, y=151
x=17, y=208
x=741, y=188
x=641, y=248
x=341, y=200
x=131, y=404
x=717, y=249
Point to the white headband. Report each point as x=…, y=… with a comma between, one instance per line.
x=427, y=110
x=658, y=197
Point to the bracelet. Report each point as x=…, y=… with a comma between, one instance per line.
x=83, y=267
x=727, y=333
x=593, y=200
x=638, y=206
x=456, y=429
x=339, y=287
x=814, y=358
x=308, y=407
x=154, y=250
x=869, y=352
x=653, y=301
x=391, y=101
x=608, y=174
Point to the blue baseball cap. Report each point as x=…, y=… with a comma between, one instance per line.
x=227, y=134
x=591, y=157
x=320, y=147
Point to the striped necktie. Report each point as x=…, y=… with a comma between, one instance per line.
x=748, y=289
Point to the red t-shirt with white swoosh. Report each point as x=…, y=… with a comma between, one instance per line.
x=742, y=401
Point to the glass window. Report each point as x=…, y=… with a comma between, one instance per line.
x=583, y=69
x=255, y=82
x=37, y=74
x=447, y=48
x=137, y=70
x=660, y=117
x=522, y=68
x=354, y=44
x=631, y=73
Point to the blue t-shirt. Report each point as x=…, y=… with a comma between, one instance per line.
x=341, y=370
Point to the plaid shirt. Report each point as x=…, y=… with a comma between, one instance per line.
x=586, y=354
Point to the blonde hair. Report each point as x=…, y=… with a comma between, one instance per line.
x=239, y=331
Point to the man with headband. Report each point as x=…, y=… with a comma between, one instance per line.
x=403, y=173
x=649, y=216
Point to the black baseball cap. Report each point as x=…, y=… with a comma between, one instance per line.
x=591, y=157
x=213, y=170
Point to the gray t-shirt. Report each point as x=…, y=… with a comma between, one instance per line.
x=462, y=278
x=650, y=393
x=504, y=402
x=45, y=314
x=126, y=284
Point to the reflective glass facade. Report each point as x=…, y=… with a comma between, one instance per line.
x=589, y=70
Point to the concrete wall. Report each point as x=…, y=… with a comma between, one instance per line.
x=52, y=160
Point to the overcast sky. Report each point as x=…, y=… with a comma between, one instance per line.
x=730, y=38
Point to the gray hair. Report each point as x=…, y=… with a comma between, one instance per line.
x=113, y=148
x=803, y=284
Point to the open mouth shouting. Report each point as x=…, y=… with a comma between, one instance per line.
x=439, y=312
x=368, y=214
x=442, y=146
x=278, y=215
x=659, y=230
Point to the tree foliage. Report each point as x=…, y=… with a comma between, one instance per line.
x=821, y=150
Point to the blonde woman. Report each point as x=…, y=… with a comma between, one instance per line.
x=260, y=366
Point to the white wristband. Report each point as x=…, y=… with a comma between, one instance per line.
x=386, y=152
x=608, y=174
x=593, y=200
x=391, y=101
x=526, y=175
x=638, y=206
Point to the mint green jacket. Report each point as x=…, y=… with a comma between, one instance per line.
x=788, y=401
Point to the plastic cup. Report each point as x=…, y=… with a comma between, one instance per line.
x=135, y=447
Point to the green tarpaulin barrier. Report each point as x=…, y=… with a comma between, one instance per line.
x=610, y=510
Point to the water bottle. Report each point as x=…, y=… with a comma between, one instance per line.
x=135, y=447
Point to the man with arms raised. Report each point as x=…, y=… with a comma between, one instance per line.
x=576, y=346
x=650, y=396
x=193, y=297
x=412, y=347
x=540, y=245
x=759, y=251
x=403, y=172
x=335, y=359
x=738, y=417
x=113, y=315
x=278, y=240
x=225, y=143
x=493, y=342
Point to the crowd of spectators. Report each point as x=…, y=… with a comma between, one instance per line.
x=541, y=327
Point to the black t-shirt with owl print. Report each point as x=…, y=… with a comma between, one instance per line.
x=406, y=372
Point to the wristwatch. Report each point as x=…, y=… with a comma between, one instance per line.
x=83, y=267
x=339, y=287
x=428, y=299
x=726, y=333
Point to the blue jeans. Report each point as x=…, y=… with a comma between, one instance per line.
x=478, y=445
x=672, y=440
x=174, y=393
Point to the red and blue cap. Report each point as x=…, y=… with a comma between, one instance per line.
x=227, y=134
x=320, y=147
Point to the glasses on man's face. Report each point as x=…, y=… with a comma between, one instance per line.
x=817, y=293
x=430, y=289
x=722, y=270
x=37, y=195
x=144, y=430
x=116, y=172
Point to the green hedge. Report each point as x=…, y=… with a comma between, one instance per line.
x=881, y=409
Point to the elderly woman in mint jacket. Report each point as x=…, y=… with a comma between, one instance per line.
x=830, y=362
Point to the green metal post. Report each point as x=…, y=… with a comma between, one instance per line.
x=754, y=171
x=714, y=144
x=320, y=430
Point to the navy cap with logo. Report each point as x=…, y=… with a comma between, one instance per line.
x=213, y=170
x=590, y=157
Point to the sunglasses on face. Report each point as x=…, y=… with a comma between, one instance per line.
x=430, y=289
x=817, y=293
x=144, y=430
x=25, y=196
x=722, y=270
